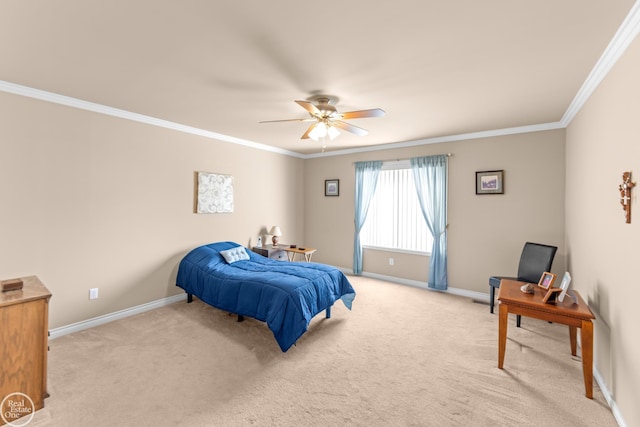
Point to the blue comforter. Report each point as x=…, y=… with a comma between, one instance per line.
x=285, y=295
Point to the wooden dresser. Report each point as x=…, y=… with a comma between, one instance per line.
x=24, y=341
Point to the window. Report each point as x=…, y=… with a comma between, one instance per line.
x=394, y=220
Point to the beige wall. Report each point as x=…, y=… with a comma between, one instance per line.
x=90, y=201
x=603, y=141
x=486, y=233
x=97, y=201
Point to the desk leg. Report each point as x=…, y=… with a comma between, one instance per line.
x=586, y=336
x=573, y=332
x=290, y=255
x=307, y=257
x=503, y=316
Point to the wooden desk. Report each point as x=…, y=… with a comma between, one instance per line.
x=307, y=252
x=513, y=300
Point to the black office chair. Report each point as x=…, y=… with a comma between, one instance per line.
x=535, y=260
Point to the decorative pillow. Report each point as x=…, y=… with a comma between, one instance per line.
x=234, y=254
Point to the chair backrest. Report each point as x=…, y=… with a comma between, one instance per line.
x=535, y=260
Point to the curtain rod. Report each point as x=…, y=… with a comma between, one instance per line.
x=409, y=158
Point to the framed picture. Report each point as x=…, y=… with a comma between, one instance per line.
x=214, y=193
x=546, y=280
x=331, y=187
x=490, y=182
x=551, y=295
x=565, y=285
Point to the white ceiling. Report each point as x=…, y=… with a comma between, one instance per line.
x=437, y=67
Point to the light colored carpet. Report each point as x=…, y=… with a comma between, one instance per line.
x=403, y=357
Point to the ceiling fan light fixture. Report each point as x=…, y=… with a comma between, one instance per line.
x=327, y=120
x=333, y=132
x=319, y=131
x=322, y=130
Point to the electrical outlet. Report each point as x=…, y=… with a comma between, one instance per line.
x=93, y=293
x=390, y=261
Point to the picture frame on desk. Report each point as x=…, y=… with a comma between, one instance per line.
x=551, y=295
x=546, y=280
x=564, y=287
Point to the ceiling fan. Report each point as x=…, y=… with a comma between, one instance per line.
x=327, y=120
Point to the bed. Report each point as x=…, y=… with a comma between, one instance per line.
x=285, y=295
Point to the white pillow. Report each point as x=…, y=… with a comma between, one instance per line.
x=234, y=254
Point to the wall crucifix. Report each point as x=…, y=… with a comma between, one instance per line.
x=625, y=195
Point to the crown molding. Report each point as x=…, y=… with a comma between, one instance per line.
x=68, y=101
x=627, y=32
x=441, y=139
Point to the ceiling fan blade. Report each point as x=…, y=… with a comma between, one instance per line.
x=375, y=112
x=312, y=109
x=307, y=119
x=306, y=134
x=350, y=128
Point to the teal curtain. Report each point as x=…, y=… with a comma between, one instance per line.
x=366, y=181
x=430, y=176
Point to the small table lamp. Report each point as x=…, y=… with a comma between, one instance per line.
x=275, y=232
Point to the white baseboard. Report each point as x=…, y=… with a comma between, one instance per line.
x=101, y=320
x=479, y=296
x=609, y=398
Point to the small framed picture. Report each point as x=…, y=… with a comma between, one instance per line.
x=551, y=295
x=331, y=187
x=565, y=285
x=546, y=280
x=490, y=182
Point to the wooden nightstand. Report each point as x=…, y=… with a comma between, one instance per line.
x=272, y=252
